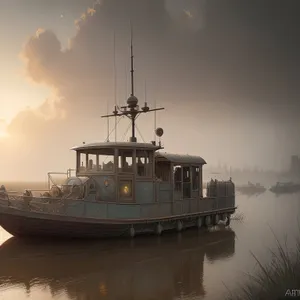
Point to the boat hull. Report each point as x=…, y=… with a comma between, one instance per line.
x=23, y=224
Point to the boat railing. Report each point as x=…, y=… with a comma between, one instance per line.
x=60, y=206
x=73, y=204
x=52, y=181
x=22, y=194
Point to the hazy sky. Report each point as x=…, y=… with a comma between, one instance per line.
x=226, y=71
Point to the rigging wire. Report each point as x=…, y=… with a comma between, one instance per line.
x=140, y=133
x=114, y=128
x=126, y=131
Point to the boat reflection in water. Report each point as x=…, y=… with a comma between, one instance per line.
x=164, y=268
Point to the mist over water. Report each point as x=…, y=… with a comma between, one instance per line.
x=193, y=265
x=225, y=73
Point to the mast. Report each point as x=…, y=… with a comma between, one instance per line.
x=131, y=58
x=133, y=100
x=107, y=109
x=145, y=91
x=115, y=85
x=154, y=120
x=131, y=110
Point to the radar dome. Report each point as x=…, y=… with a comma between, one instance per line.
x=159, y=132
x=132, y=101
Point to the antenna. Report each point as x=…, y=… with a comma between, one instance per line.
x=132, y=109
x=115, y=86
x=131, y=57
x=126, y=80
x=155, y=120
x=107, y=127
x=145, y=91
x=107, y=108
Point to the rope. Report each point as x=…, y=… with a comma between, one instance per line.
x=107, y=139
x=139, y=133
x=126, y=132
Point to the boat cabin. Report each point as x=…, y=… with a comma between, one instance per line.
x=126, y=172
x=135, y=173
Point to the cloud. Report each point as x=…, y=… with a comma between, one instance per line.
x=82, y=74
x=189, y=13
x=43, y=57
x=214, y=70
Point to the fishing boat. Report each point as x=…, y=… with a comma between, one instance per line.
x=121, y=188
x=285, y=188
x=117, y=268
x=251, y=189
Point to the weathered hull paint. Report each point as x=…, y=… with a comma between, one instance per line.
x=21, y=224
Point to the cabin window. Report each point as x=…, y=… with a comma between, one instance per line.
x=177, y=178
x=186, y=172
x=92, y=189
x=125, y=190
x=195, y=178
x=93, y=162
x=143, y=163
x=162, y=171
x=125, y=161
x=82, y=166
x=106, y=162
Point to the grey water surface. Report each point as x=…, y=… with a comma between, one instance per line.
x=191, y=265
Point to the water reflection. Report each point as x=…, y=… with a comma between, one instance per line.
x=169, y=267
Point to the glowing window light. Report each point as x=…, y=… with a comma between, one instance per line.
x=125, y=189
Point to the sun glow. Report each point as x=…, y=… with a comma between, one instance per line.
x=3, y=134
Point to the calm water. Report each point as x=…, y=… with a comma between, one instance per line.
x=191, y=265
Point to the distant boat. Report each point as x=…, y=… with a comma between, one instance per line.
x=251, y=189
x=285, y=188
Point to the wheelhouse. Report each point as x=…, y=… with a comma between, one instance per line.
x=137, y=173
x=116, y=158
x=117, y=167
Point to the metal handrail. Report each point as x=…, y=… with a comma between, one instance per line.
x=50, y=179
